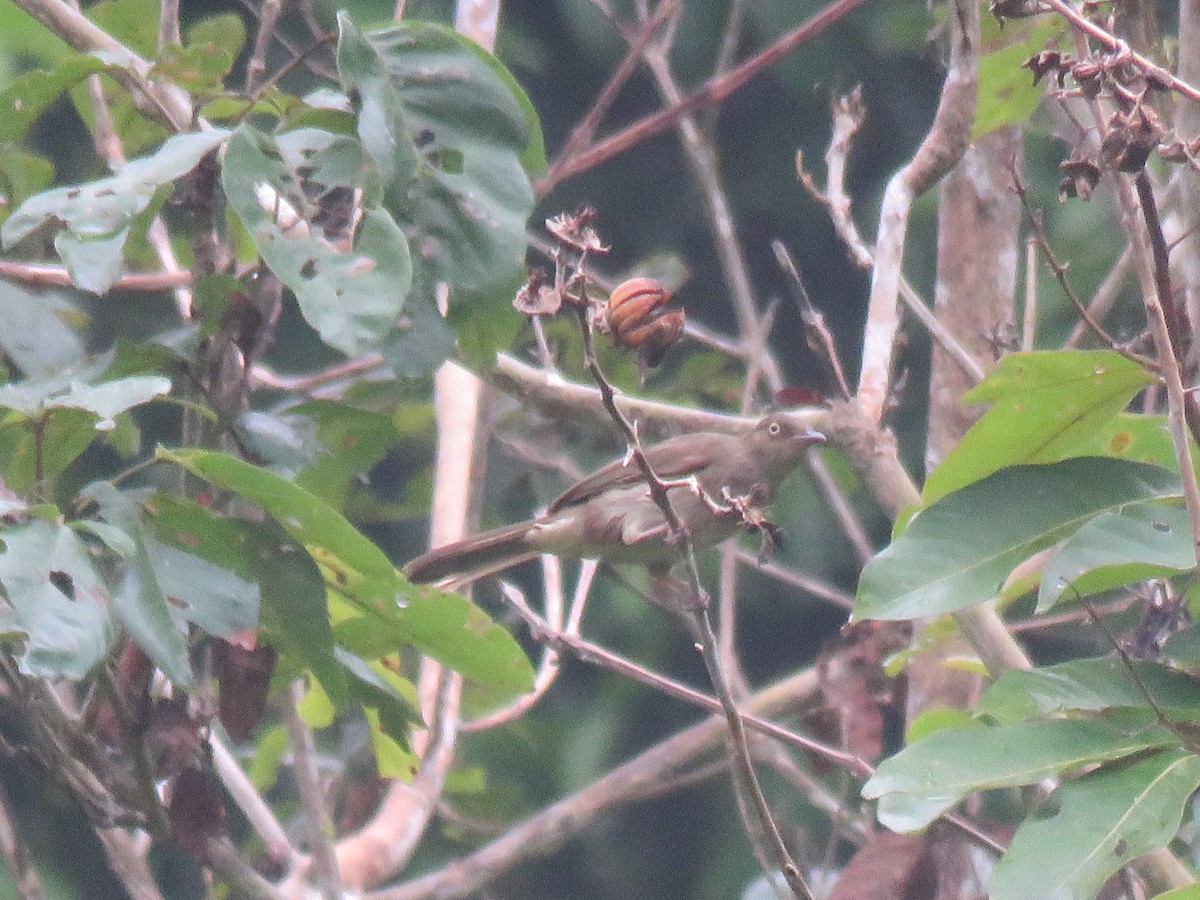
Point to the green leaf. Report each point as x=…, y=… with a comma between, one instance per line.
x=1089, y=828
x=959, y=551
x=1089, y=685
x=1144, y=540
x=928, y=777
x=456, y=632
x=199, y=68
x=97, y=215
x=468, y=205
x=1007, y=93
x=22, y=175
x=305, y=517
x=1133, y=436
x=133, y=22
x=351, y=440
x=295, y=613
x=67, y=433
x=381, y=124
x=67, y=635
x=108, y=398
x=143, y=609
x=1045, y=405
x=227, y=32
x=30, y=95
x=351, y=298
x=373, y=686
x=200, y=592
x=292, y=604
x=34, y=330
x=268, y=756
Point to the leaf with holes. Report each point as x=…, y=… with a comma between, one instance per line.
x=352, y=297
x=96, y=217
x=1090, y=827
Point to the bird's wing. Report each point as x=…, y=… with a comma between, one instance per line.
x=676, y=458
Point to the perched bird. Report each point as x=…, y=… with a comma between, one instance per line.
x=610, y=515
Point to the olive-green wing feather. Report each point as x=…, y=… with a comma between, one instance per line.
x=679, y=457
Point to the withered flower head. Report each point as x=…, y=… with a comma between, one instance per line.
x=575, y=229
x=537, y=296
x=1080, y=177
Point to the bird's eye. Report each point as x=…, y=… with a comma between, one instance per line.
x=774, y=428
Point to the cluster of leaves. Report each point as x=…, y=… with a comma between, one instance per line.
x=434, y=145
x=1058, y=491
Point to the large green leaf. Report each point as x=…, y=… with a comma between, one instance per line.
x=97, y=216
x=103, y=400
x=1045, y=405
x=352, y=298
x=60, y=601
x=291, y=589
x=1089, y=828
x=1144, y=540
x=959, y=551
x=144, y=610
x=307, y=518
x=929, y=776
x=1089, y=685
x=34, y=329
x=203, y=593
x=472, y=132
x=455, y=631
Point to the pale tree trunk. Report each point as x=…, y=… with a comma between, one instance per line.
x=979, y=219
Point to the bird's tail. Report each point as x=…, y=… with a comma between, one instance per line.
x=473, y=557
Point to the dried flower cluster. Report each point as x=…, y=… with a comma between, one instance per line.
x=635, y=316
x=1132, y=131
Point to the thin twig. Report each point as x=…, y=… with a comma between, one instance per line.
x=1029, y=319
x=268, y=15
x=312, y=795
x=1112, y=42
x=702, y=158
x=699, y=619
x=1104, y=298
x=848, y=112
x=549, y=827
x=800, y=580
x=712, y=92
x=256, y=810
x=583, y=133
x=819, y=338
x=40, y=275
x=163, y=100
x=593, y=654
x=1177, y=398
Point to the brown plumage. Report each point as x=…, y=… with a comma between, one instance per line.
x=610, y=515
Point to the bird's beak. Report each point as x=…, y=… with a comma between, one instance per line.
x=813, y=437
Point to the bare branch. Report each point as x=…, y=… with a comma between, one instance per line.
x=547, y=828
x=712, y=92
x=942, y=148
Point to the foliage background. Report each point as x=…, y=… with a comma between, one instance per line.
x=687, y=844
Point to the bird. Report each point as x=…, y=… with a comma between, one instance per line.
x=610, y=515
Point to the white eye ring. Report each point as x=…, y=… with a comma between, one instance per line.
x=774, y=428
